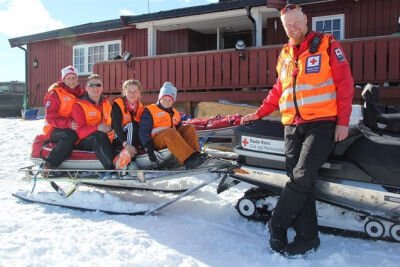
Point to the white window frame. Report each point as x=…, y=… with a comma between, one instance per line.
x=86, y=53
x=330, y=17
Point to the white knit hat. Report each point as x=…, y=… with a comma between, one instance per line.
x=68, y=70
x=168, y=89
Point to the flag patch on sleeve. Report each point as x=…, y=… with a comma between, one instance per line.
x=339, y=55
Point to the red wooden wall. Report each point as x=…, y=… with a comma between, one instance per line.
x=223, y=74
x=170, y=42
x=362, y=18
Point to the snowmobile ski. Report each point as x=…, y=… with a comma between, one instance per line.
x=31, y=199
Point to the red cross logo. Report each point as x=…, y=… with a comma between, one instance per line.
x=245, y=142
x=313, y=61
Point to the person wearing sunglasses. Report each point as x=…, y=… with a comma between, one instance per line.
x=126, y=112
x=314, y=92
x=59, y=126
x=92, y=113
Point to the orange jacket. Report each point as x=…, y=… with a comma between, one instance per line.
x=67, y=100
x=126, y=115
x=94, y=116
x=162, y=120
x=312, y=93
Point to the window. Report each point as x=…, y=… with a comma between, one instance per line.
x=85, y=56
x=330, y=24
x=113, y=51
x=79, y=59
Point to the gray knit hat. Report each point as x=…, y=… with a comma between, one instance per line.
x=168, y=89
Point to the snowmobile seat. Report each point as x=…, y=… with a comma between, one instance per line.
x=373, y=118
x=342, y=146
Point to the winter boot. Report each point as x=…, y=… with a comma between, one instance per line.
x=122, y=159
x=306, y=227
x=289, y=205
x=193, y=161
x=278, y=237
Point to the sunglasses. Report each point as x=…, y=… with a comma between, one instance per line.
x=289, y=7
x=94, y=85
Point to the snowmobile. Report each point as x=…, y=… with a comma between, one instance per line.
x=358, y=188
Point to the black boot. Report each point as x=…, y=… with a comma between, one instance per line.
x=290, y=203
x=193, y=161
x=278, y=237
x=306, y=227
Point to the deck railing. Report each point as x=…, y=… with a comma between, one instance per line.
x=224, y=74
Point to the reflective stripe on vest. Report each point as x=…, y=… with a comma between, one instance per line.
x=67, y=100
x=162, y=120
x=315, y=90
x=310, y=99
x=307, y=101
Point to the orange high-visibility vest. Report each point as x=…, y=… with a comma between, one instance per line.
x=314, y=93
x=126, y=115
x=162, y=120
x=94, y=117
x=67, y=100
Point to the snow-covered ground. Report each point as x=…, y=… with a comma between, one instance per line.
x=201, y=230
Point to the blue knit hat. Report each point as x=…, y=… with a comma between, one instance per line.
x=168, y=89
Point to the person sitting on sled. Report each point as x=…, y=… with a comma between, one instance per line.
x=59, y=127
x=161, y=127
x=125, y=114
x=92, y=113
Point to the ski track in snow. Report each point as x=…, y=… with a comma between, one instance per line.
x=203, y=229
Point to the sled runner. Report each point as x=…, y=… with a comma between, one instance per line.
x=67, y=181
x=61, y=201
x=361, y=178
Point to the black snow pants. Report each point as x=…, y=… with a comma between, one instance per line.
x=65, y=139
x=307, y=146
x=100, y=144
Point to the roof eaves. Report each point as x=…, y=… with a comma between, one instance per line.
x=189, y=11
x=67, y=32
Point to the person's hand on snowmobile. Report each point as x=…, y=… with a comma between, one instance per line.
x=131, y=149
x=152, y=155
x=73, y=125
x=341, y=132
x=248, y=118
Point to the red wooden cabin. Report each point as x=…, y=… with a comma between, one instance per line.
x=194, y=48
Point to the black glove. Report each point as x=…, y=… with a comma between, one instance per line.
x=150, y=151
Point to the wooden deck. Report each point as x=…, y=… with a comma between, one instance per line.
x=214, y=75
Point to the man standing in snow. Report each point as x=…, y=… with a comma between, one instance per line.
x=314, y=92
x=59, y=126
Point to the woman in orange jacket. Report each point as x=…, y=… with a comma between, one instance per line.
x=59, y=126
x=125, y=114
